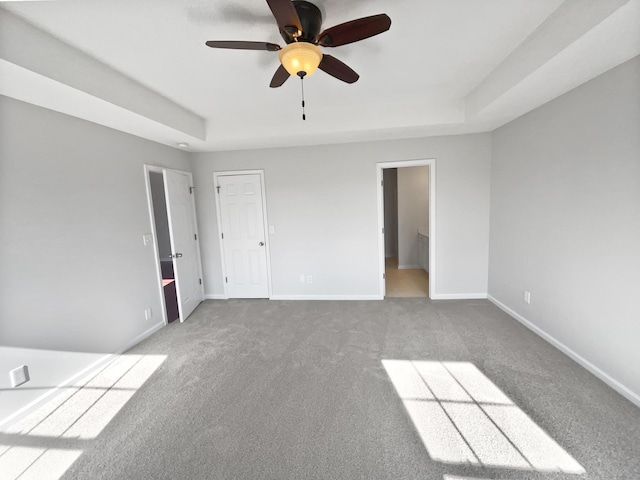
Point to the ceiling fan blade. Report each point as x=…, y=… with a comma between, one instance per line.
x=272, y=47
x=338, y=69
x=279, y=77
x=285, y=14
x=354, y=31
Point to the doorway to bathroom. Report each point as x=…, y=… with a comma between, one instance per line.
x=406, y=212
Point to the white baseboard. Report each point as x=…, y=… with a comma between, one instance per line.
x=326, y=297
x=459, y=296
x=136, y=340
x=306, y=297
x=605, y=377
x=438, y=296
x=409, y=267
x=216, y=296
x=77, y=378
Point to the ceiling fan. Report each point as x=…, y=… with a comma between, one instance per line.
x=300, y=22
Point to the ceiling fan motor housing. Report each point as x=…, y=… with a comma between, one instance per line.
x=310, y=20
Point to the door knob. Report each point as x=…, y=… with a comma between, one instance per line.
x=261, y=244
x=177, y=255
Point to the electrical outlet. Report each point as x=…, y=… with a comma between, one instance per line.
x=147, y=314
x=309, y=279
x=19, y=375
x=272, y=229
x=302, y=278
x=527, y=296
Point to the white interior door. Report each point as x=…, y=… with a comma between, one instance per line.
x=184, y=244
x=243, y=235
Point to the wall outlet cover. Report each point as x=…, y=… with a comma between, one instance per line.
x=19, y=376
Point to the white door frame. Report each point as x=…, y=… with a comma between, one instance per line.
x=156, y=249
x=380, y=166
x=265, y=226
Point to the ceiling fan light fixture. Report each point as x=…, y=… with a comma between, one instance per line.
x=300, y=57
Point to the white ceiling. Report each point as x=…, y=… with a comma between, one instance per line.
x=444, y=67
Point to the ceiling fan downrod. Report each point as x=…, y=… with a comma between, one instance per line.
x=302, y=74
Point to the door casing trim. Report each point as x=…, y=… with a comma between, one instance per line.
x=380, y=166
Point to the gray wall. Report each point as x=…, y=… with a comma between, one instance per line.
x=413, y=212
x=75, y=274
x=322, y=202
x=565, y=220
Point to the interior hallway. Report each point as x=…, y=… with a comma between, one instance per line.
x=405, y=282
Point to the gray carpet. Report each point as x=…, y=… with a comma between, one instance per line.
x=258, y=389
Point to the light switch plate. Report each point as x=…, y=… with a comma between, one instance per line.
x=146, y=239
x=19, y=376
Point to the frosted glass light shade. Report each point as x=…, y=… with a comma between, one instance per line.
x=300, y=57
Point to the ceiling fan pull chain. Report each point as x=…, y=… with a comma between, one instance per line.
x=301, y=75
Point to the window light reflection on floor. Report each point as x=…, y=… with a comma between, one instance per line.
x=464, y=418
x=42, y=445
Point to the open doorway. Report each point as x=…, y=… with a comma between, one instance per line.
x=406, y=213
x=163, y=238
x=175, y=241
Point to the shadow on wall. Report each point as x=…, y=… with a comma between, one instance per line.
x=463, y=418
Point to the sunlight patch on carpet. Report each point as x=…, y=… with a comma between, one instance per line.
x=462, y=417
x=46, y=443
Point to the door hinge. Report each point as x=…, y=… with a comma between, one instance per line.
x=225, y=280
x=382, y=183
x=195, y=236
x=200, y=280
x=384, y=276
x=191, y=189
x=218, y=188
x=383, y=230
x=222, y=235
